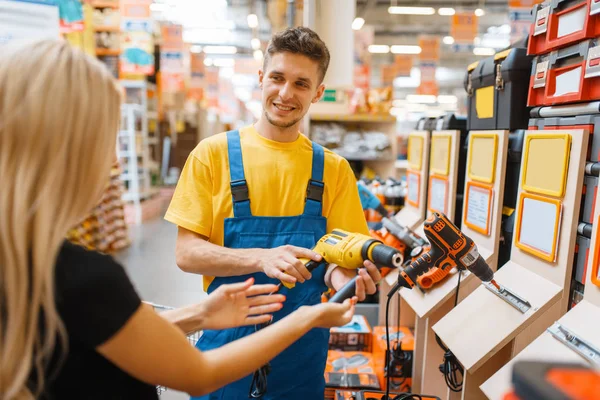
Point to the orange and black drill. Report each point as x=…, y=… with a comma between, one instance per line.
x=449, y=248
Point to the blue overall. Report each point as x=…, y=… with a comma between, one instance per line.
x=297, y=373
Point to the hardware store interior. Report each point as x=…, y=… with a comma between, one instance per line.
x=411, y=186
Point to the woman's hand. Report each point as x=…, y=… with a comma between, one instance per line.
x=240, y=304
x=328, y=315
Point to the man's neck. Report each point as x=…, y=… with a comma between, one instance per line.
x=275, y=133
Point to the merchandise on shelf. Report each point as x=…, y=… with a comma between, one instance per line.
x=352, y=144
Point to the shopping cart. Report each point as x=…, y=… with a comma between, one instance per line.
x=192, y=337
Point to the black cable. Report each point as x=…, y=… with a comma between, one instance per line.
x=258, y=386
x=450, y=367
x=387, y=339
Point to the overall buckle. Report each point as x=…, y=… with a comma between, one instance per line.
x=314, y=191
x=239, y=190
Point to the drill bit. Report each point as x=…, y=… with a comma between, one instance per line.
x=493, y=282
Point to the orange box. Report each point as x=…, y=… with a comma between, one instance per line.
x=350, y=369
x=379, y=339
x=374, y=395
x=354, y=336
x=401, y=376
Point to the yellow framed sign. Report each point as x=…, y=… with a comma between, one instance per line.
x=413, y=180
x=415, y=152
x=538, y=225
x=483, y=156
x=545, y=164
x=438, y=194
x=596, y=262
x=478, y=208
x=440, y=154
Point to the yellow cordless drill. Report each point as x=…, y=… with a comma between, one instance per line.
x=350, y=250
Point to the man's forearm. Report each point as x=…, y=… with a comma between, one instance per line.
x=202, y=257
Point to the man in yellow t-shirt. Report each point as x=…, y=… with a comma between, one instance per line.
x=251, y=203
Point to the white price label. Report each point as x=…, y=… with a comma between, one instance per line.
x=470, y=258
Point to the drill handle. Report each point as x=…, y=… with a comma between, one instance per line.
x=310, y=265
x=346, y=292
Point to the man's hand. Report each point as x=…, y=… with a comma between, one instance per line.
x=240, y=304
x=366, y=281
x=283, y=262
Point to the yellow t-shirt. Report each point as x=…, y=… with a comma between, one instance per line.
x=277, y=175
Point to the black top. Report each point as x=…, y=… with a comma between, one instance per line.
x=95, y=299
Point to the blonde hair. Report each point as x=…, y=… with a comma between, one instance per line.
x=59, y=116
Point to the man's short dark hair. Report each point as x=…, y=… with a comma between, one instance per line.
x=300, y=40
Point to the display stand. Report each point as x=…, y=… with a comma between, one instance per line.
x=417, y=177
x=582, y=320
x=484, y=331
x=486, y=168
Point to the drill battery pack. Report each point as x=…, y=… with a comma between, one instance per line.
x=354, y=336
x=378, y=395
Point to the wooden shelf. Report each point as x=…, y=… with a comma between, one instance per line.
x=353, y=117
x=401, y=164
x=105, y=4
x=108, y=52
x=107, y=28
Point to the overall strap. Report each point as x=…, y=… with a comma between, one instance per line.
x=239, y=187
x=314, y=191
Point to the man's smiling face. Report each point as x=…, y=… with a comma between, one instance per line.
x=290, y=83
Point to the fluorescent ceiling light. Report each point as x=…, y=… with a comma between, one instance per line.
x=412, y=10
x=252, y=20
x=447, y=99
x=446, y=11
x=220, y=49
x=448, y=40
x=405, y=49
x=421, y=98
x=159, y=7
x=208, y=62
x=479, y=12
x=255, y=42
x=224, y=62
x=379, y=48
x=484, y=51
x=358, y=23
x=196, y=49
x=258, y=55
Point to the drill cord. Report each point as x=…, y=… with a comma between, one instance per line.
x=387, y=339
x=450, y=367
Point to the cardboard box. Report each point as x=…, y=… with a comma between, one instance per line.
x=401, y=374
x=354, y=336
x=350, y=370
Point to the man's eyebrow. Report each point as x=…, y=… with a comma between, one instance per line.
x=303, y=79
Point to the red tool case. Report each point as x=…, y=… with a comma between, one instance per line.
x=560, y=23
x=568, y=75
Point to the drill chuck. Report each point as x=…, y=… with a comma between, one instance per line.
x=382, y=255
x=481, y=269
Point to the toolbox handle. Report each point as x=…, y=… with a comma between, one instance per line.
x=563, y=5
x=580, y=49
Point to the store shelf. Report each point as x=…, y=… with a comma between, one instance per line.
x=105, y=4
x=401, y=164
x=108, y=52
x=152, y=114
x=353, y=117
x=107, y=28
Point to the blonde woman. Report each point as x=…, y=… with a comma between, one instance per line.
x=71, y=323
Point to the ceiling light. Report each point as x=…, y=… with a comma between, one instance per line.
x=479, y=12
x=447, y=99
x=421, y=98
x=196, y=49
x=448, y=40
x=358, y=23
x=379, y=48
x=446, y=11
x=484, y=51
x=255, y=42
x=220, y=49
x=159, y=7
x=405, y=49
x=224, y=62
x=258, y=55
x=412, y=10
x=252, y=20
x=208, y=62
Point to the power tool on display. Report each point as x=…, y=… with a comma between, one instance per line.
x=369, y=200
x=350, y=250
x=449, y=248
